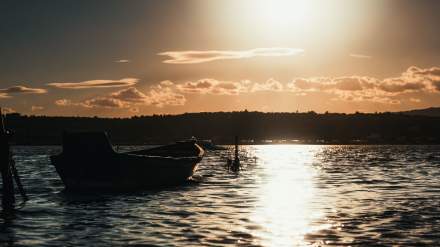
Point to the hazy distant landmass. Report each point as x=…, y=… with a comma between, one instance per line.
x=432, y=111
x=252, y=127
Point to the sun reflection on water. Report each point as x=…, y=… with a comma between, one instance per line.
x=284, y=209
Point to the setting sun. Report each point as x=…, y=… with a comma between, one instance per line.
x=284, y=15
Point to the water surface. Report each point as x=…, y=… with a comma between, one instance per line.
x=285, y=195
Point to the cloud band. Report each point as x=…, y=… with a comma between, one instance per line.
x=194, y=57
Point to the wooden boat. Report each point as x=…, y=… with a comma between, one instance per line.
x=209, y=145
x=88, y=162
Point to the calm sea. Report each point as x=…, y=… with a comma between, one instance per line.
x=285, y=195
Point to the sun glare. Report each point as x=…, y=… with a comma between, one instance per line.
x=282, y=14
x=272, y=20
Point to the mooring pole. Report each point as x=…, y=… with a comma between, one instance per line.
x=236, y=148
x=236, y=163
x=8, y=197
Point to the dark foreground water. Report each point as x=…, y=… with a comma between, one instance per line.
x=284, y=196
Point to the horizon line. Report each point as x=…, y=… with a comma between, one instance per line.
x=239, y=111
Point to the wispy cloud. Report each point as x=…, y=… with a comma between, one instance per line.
x=361, y=56
x=158, y=96
x=37, y=108
x=95, y=83
x=193, y=57
x=8, y=92
x=101, y=102
x=415, y=100
x=63, y=102
x=122, y=61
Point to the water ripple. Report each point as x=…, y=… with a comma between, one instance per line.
x=285, y=195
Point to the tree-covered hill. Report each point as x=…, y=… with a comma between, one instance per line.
x=252, y=127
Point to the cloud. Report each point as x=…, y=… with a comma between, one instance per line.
x=37, y=108
x=212, y=86
x=430, y=76
x=63, y=102
x=415, y=100
x=433, y=73
x=105, y=102
x=101, y=102
x=361, y=56
x=130, y=95
x=269, y=85
x=193, y=57
x=98, y=102
x=131, y=98
x=6, y=110
x=347, y=88
x=122, y=61
x=354, y=88
x=134, y=109
x=200, y=86
x=158, y=96
x=436, y=85
x=362, y=88
x=167, y=83
x=161, y=98
x=95, y=83
x=8, y=92
x=68, y=102
x=400, y=85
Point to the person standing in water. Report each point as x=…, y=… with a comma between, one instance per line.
x=8, y=197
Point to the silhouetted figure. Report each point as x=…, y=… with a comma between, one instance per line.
x=8, y=198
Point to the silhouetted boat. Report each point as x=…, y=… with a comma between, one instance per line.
x=209, y=145
x=89, y=162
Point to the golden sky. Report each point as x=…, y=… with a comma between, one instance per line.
x=124, y=58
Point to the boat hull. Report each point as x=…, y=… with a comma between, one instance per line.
x=95, y=166
x=123, y=172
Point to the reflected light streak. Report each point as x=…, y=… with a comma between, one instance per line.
x=284, y=209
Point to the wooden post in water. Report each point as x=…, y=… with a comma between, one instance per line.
x=236, y=149
x=8, y=197
x=236, y=163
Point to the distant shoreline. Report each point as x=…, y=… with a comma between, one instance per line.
x=259, y=144
x=255, y=128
